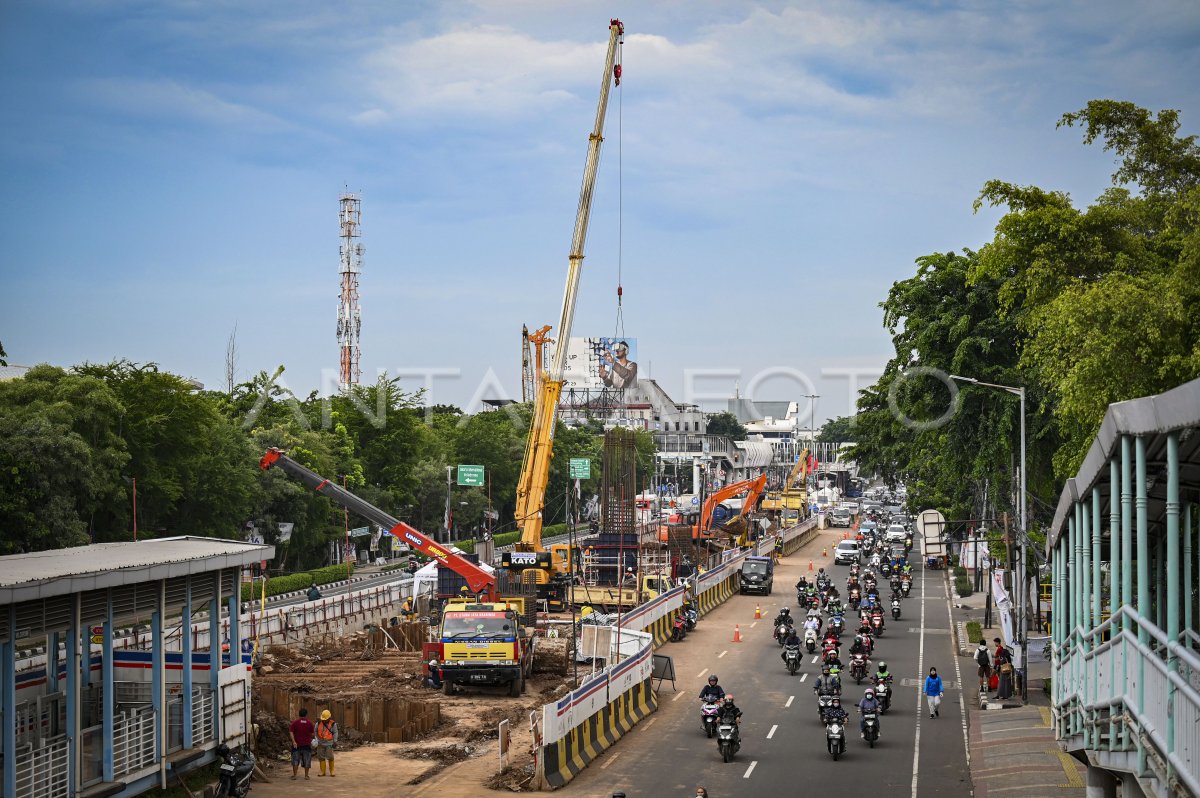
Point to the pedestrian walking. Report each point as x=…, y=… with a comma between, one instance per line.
x=984, y=660
x=933, y=692
x=327, y=737
x=1004, y=666
x=302, y=733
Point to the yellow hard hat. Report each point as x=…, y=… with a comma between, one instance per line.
x=326, y=715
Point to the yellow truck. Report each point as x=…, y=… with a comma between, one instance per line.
x=485, y=644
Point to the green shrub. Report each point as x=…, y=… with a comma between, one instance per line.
x=963, y=585
x=300, y=581
x=960, y=571
x=974, y=631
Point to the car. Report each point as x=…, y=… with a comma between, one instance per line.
x=840, y=516
x=895, y=534
x=758, y=575
x=847, y=551
x=868, y=526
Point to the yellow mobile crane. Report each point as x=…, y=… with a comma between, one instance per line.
x=535, y=469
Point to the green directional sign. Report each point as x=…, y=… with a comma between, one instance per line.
x=471, y=475
x=581, y=468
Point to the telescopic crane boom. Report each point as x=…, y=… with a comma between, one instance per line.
x=479, y=581
x=535, y=470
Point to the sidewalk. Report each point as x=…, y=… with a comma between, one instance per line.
x=1013, y=750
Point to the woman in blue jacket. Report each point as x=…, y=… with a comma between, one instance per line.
x=933, y=691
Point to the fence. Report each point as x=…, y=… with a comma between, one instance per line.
x=380, y=720
x=42, y=770
x=1115, y=693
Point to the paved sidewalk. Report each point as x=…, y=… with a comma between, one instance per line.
x=1014, y=753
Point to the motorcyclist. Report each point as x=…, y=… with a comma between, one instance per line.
x=881, y=673
x=730, y=713
x=877, y=612
x=832, y=657
x=784, y=616
x=802, y=584
x=858, y=646
x=826, y=683
x=869, y=703
x=792, y=639
x=836, y=712
x=712, y=692
x=815, y=615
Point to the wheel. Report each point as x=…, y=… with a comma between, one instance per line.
x=447, y=687
x=517, y=686
x=727, y=753
x=222, y=790
x=836, y=754
x=872, y=742
x=708, y=730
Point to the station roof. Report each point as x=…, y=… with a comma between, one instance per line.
x=56, y=572
x=1152, y=418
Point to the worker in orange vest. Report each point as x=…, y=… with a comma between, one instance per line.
x=327, y=737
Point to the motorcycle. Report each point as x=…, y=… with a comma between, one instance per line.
x=870, y=728
x=708, y=716
x=691, y=615
x=905, y=587
x=885, y=568
x=883, y=692
x=855, y=599
x=895, y=609
x=234, y=773
x=837, y=625
x=782, y=631
x=835, y=739
x=728, y=740
x=858, y=668
x=678, y=628
x=830, y=656
x=824, y=702
x=791, y=658
x=877, y=625
x=895, y=584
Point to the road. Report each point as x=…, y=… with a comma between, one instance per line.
x=783, y=743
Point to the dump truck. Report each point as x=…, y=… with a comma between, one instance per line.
x=485, y=644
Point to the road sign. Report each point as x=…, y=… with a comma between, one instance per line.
x=581, y=468
x=931, y=524
x=471, y=475
x=360, y=531
x=97, y=640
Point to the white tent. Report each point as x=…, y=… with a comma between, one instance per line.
x=427, y=576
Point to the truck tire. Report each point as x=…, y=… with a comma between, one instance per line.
x=447, y=687
x=517, y=686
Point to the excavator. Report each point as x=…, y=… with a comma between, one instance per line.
x=539, y=448
x=753, y=488
x=791, y=498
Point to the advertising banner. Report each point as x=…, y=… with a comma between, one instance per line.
x=600, y=363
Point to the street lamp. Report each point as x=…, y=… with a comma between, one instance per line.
x=1023, y=585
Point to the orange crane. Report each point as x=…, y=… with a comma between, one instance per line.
x=753, y=488
x=531, y=367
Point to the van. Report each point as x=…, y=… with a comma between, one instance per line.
x=758, y=575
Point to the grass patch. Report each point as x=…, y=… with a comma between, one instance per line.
x=974, y=631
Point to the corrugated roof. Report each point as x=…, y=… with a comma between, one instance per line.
x=56, y=572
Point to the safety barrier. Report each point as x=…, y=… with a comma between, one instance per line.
x=799, y=536
x=584, y=723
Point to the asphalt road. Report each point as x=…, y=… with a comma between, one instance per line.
x=783, y=743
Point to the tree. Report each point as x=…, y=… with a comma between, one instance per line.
x=3, y=355
x=726, y=424
x=837, y=430
x=231, y=359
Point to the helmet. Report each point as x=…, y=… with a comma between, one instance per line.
x=729, y=698
x=837, y=702
x=712, y=678
x=326, y=715
x=785, y=612
x=825, y=670
x=869, y=693
x=882, y=665
x=821, y=571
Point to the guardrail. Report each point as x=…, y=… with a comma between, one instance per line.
x=1109, y=684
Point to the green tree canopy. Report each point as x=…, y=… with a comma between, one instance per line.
x=726, y=424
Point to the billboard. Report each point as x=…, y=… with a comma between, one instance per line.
x=600, y=363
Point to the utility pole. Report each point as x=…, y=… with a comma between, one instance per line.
x=449, y=517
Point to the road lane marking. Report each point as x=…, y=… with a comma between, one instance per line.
x=771, y=733
x=723, y=653
x=650, y=722
x=791, y=698
x=677, y=697
x=754, y=624
x=750, y=769
x=802, y=678
x=962, y=702
x=611, y=759
x=815, y=658
x=701, y=673
x=920, y=709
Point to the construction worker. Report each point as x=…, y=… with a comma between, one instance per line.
x=406, y=609
x=327, y=737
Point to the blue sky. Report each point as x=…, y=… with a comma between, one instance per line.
x=172, y=169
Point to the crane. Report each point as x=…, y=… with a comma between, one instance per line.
x=531, y=365
x=535, y=468
x=479, y=581
x=753, y=488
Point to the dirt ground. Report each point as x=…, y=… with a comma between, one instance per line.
x=465, y=742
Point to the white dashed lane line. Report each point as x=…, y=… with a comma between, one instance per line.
x=791, y=698
x=771, y=733
x=750, y=769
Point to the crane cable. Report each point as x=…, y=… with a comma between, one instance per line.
x=619, y=327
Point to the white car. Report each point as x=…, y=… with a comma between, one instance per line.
x=846, y=552
x=895, y=534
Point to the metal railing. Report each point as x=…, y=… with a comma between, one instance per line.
x=42, y=770
x=91, y=756
x=202, y=715
x=133, y=743
x=1105, y=677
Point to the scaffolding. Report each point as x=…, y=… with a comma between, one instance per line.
x=618, y=485
x=349, y=320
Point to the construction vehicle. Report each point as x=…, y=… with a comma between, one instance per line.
x=535, y=469
x=649, y=586
x=483, y=641
x=702, y=530
x=795, y=489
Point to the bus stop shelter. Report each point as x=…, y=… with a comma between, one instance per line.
x=120, y=663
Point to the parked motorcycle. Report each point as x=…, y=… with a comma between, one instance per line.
x=234, y=774
x=728, y=740
x=870, y=728
x=791, y=658
x=708, y=717
x=835, y=739
x=678, y=628
x=691, y=615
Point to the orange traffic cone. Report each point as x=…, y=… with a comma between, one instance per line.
x=737, y=633
x=824, y=552
x=810, y=565
x=757, y=612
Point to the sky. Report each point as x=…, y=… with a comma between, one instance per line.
x=171, y=172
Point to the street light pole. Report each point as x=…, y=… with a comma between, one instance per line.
x=1020, y=579
x=449, y=469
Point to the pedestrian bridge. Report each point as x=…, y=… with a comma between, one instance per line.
x=1124, y=561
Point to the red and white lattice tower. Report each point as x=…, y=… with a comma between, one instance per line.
x=349, y=321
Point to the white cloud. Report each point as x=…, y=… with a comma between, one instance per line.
x=168, y=99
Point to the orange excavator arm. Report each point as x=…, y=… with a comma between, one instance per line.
x=754, y=488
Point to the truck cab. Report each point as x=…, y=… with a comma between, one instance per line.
x=485, y=644
x=758, y=575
